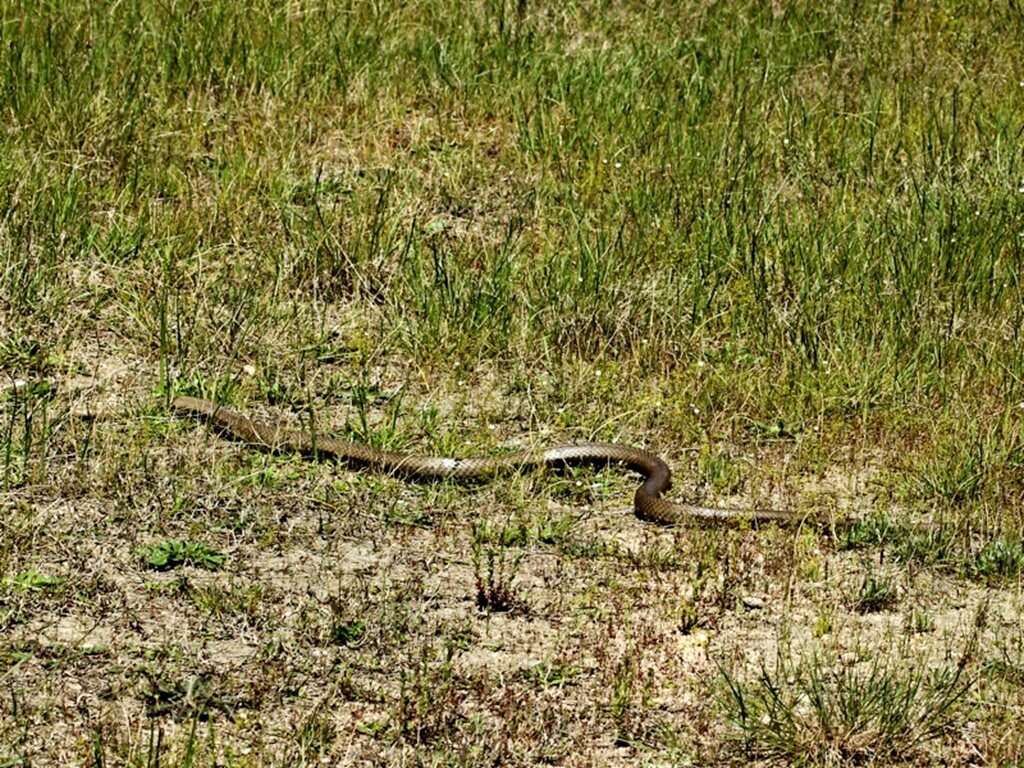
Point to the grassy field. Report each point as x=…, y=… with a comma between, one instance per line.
x=779, y=242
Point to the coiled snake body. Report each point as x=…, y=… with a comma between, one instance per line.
x=648, y=503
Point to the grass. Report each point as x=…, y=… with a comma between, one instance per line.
x=778, y=242
x=820, y=712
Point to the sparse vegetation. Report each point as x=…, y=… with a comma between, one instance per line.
x=779, y=242
x=820, y=711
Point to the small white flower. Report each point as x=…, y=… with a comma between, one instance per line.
x=618, y=165
x=785, y=142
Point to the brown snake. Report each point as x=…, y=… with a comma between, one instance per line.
x=648, y=503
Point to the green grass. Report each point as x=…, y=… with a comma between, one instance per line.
x=779, y=242
x=821, y=712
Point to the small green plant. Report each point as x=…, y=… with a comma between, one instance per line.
x=554, y=530
x=629, y=698
x=919, y=622
x=876, y=593
x=372, y=728
x=348, y=633
x=179, y=585
x=822, y=624
x=552, y=674
x=430, y=695
x=237, y=600
x=934, y=545
x=871, y=531
x=366, y=396
x=719, y=471
x=30, y=581
x=999, y=558
x=513, y=533
x=622, y=687
x=25, y=354
x=956, y=474
x=312, y=739
x=495, y=569
x=688, y=616
x=172, y=553
x=494, y=573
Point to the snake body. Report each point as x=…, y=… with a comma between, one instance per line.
x=648, y=502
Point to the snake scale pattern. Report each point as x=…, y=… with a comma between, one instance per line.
x=648, y=502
